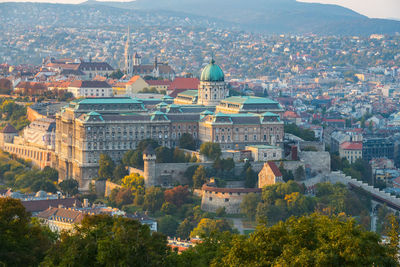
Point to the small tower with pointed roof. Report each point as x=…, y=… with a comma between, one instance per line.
x=137, y=60
x=149, y=158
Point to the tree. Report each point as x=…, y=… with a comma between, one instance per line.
x=134, y=182
x=220, y=212
x=69, y=187
x=299, y=173
x=153, y=199
x=393, y=234
x=189, y=172
x=187, y=141
x=184, y=229
x=22, y=243
x=249, y=205
x=168, y=225
x=168, y=208
x=314, y=240
x=199, y=177
x=211, y=150
x=119, y=172
x=122, y=196
x=117, y=74
x=106, y=167
x=50, y=174
x=207, y=226
x=164, y=154
x=178, y=195
x=103, y=240
x=251, y=178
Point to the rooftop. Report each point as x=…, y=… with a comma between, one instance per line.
x=108, y=100
x=249, y=100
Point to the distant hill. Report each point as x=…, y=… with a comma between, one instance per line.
x=272, y=16
x=268, y=16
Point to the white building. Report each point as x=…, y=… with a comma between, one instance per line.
x=265, y=152
x=90, y=89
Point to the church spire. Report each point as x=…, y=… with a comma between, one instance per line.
x=128, y=54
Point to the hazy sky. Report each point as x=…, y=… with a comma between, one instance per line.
x=370, y=8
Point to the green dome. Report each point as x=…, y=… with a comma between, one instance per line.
x=212, y=73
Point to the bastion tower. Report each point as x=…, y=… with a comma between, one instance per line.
x=212, y=87
x=149, y=170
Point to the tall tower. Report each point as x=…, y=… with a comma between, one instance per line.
x=149, y=158
x=128, y=55
x=212, y=87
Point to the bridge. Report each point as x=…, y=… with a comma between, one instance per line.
x=377, y=195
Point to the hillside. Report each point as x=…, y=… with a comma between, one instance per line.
x=268, y=16
x=272, y=16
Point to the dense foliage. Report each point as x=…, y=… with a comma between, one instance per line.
x=19, y=175
x=13, y=113
x=106, y=241
x=22, y=242
x=101, y=240
x=305, y=134
x=282, y=200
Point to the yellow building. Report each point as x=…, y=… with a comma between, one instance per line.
x=351, y=151
x=135, y=85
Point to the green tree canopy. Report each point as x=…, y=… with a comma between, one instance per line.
x=187, y=141
x=106, y=167
x=211, y=150
x=207, y=226
x=22, y=243
x=199, y=177
x=313, y=240
x=69, y=187
x=103, y=240
x=153, y=199
x=134, y=182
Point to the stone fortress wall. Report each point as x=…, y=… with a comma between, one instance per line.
x=229, y=198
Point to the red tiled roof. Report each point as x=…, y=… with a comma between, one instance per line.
x=158, y=82
x=290, y=114
x=41, y=205
x=73, y=215
x=274, y=169
x=185, y=83
x=230, y=190
x=334, y=120
x=89, y=84
x=351, y=146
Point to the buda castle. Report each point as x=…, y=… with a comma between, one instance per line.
x=89, y=127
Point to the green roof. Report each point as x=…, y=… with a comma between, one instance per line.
x=167, y=97
x=189, y=93
x=108, y=100
x=249, y=100
x=220, y=114
x=94, y=113
x=212, y=73
x=269, y=114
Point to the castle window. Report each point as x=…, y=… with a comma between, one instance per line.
x=210, y=198
x=226, y=199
